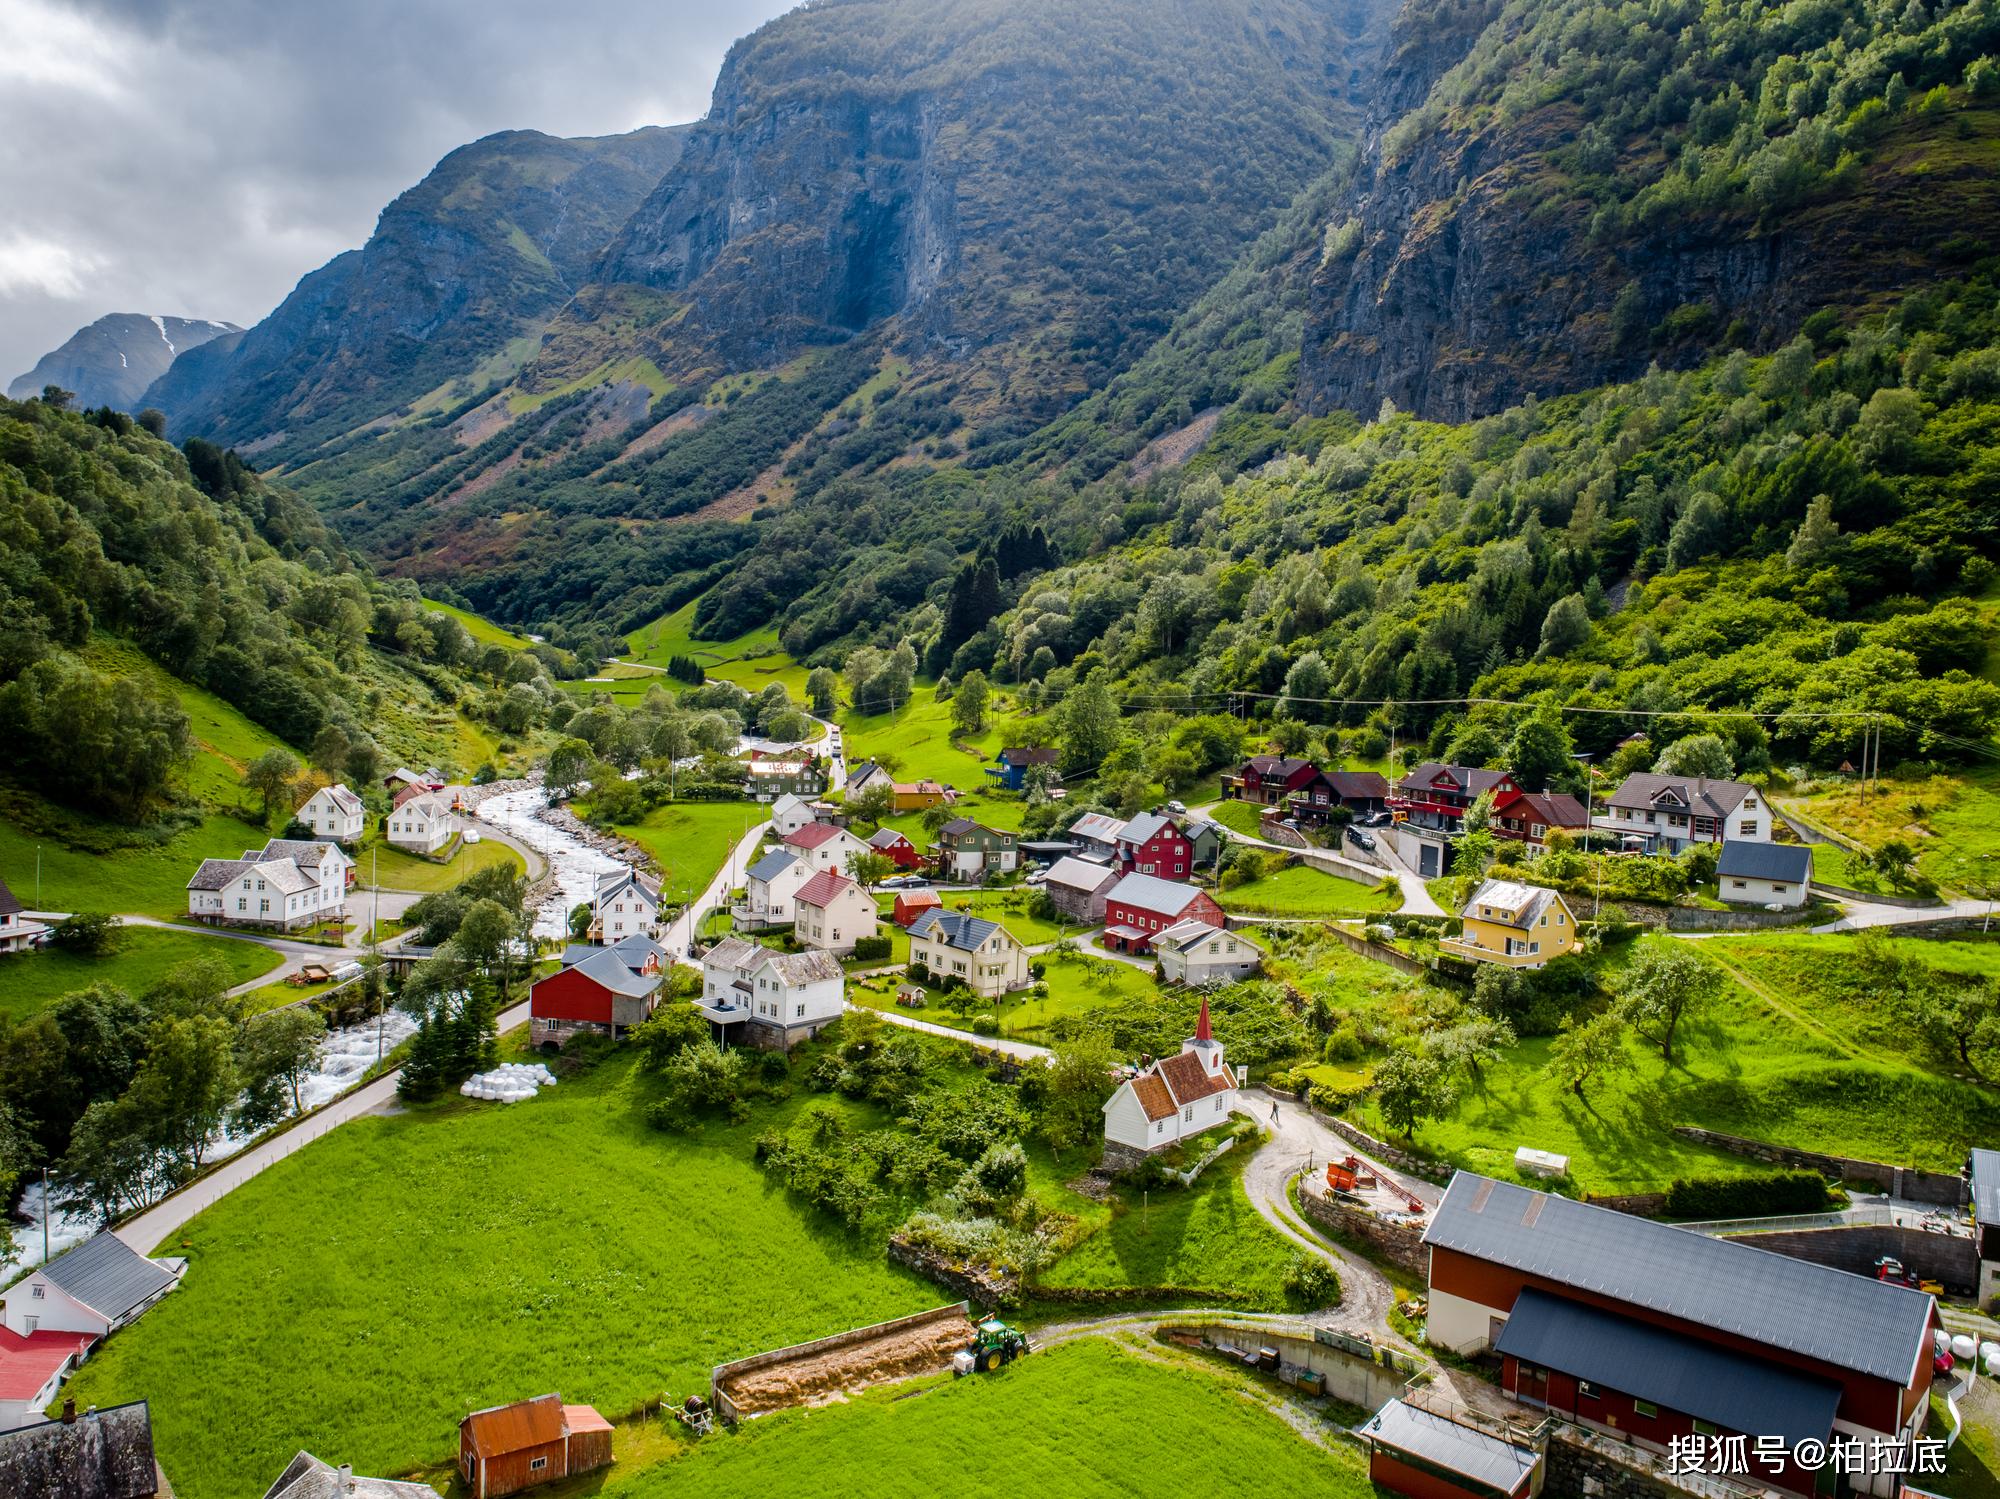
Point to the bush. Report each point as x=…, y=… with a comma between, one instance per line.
x=1310, y=1283
x=88, y=933
x=985, y=1025
x=1707, y=1197
x=873, y=949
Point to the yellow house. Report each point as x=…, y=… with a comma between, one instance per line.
x=984, y=955
x=1522, y=926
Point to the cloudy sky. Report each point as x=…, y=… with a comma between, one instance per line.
x=196, y=157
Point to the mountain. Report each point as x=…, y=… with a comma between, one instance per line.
x=462, y=268
x=111, y=362
x=1556, y=193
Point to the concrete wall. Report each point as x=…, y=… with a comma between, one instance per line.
x=1367, y=1382
x=1940, y=1188
x=1401, y=962
x=1939, y=1257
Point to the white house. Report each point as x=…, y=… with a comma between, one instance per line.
x=17, y=933
x=252, y=893
x=625, y=904
x=769, y=888
x=832, y=912
x=95, y=1288
x=1199, y=952
x=779, y=998
x=865, y=776
x=790, y=813
x=32, y=1370
x=1764, y=874
x=825, y=846
x=423, y=824
x=334, y=812
x=984, y=955
x=327, y=862
x=1169, y=1100
x=1668, y=813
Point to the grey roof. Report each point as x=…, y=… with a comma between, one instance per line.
x=1812, y=1310
x=1081, y=874
x=106, y=1454
x=1467, y=777
x=608, y=968
x=301, y=851
x=1098, y=827
x=107, y=1275
x=611, y=883
x=887, y=838
x=284, y=874
x=1705, y=798
x=1525, y=902
x=1472, y=1454
x=773, y=864
x=734, y=952
x=1986, y=1186
x=1149, y=893
x=808, y=967
x=1736, y=1390
x=345, y=799
x=1764, y=861
x=306, y=1477
x=953, y=928
x=214, y=874
x=1144, y=825
x=9, y=906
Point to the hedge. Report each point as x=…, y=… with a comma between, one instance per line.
x=1709, y=1197
x=868, y=948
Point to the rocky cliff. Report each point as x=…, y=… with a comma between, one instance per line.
x=111, y=362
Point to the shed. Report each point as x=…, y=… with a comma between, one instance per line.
x=910, y=904
x=507, y=1448
x=1428, y=1455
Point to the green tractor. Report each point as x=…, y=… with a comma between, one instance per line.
x=993, y=1343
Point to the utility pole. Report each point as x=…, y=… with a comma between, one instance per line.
x=45, y=1215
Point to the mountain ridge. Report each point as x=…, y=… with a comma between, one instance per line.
x=143, y=344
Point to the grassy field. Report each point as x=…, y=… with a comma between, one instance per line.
x=145, y=881
x=378, y=862
x=32, y=981
x=1952, y=821
x=915, y=742
x=1076, y=984
x=1241, y=817
x=481, y=628
x=276, y=996
x=1010, y=909
x=225, y=741
x=1083, y=1421
x=752, y=661
x=690, y=841
x=478, y=1254
x=1972, y=1468
x=1301, y=890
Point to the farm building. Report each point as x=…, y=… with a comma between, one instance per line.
x=95, y=1288
x=423, y=824
x=1515, y=925
x=1077, y=887
x=1169, y=1100
x=17, y=932
x=1764, y=874
x=826, y=847
x=101, y=1454
x=1152, y=843
x=1651, y=1332
x=625, y=904
x=778, y=998
x=1426, y=1454
x=986, y=957
x=896, y=848
x=910, y=904
x=1986, y=1220
x=32, y=1368
x=334, y=812
x=833, y=912
x=768, y=890
x=1201, y=952
x=508, y=1448
x=1095, y=835
x=306, y=1477
x=1140, y=907
x=601, y=991
x=789, y=813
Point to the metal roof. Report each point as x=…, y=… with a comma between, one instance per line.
x=1081, y=874
x=512, y=1428
x=1764, y=861
x=608, y=970
x=1143, y=826
x=1682, y=1373
x=773, y=864
x=824, y=888
x=306, y=1477
x=1477, y=1455
x=1986, y=1186
x=1098, y=827
x=953, y=928
x=107, y=1275
x=1813, y=1310
x=1162, y=897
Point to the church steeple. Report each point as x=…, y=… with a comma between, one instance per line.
x=1201, y=1030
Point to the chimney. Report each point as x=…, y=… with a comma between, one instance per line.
x=69, y=1412
x=345, y=1483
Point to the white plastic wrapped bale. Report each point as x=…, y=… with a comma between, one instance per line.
x=510, y=1082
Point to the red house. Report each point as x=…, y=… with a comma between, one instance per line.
x=1268, y=779
x=603, y=990
x=1529, y=817
x=910, y=904
x=896, y=847
x=1652, y=1333
x=1140, y=907
x=1436, y=796
x=1151, y=843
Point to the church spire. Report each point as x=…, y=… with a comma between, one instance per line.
x=1201, y=1030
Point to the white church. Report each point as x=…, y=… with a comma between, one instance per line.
x=1169, y=1100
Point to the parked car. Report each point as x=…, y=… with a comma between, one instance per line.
x=1376, y=820
x=1361, y=839
x=1179, y=809
x=1036, y=876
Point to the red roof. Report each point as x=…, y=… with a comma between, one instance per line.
x=822, y=888
x=582, y=1418
x=1201, y=1030
x=29, y=1361
x=812, y=835
x=517, y=1427
x=1189, y=1079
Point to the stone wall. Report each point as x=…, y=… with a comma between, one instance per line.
x=1941, y=1188
x=1376, y=952
x=1399, y=1243
x=1416, y=1165
x=1119, y=1157
x=1701, y=919
x=972, y=1283
x=1638, y=1204
x=1940, y=1257
x=1582, y=1466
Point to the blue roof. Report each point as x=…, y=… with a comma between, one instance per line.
x=773, y=864
x=1790, y=862
x=953, y=928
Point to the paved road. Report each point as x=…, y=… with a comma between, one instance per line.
x=1859, y=914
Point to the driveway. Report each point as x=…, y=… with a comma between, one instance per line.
x=1027, y=1051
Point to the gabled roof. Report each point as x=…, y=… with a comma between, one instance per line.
x=1445, y=1443
x=301, y=851
x=824, y=888
x=1081, y=874
x=813, y=834
x=28, y=1361
x=1790, y=862
x=105, y=1454
x=215, y=874
x=306, y=1477
x=887, y=838
x=787, y=802
x=1099, y=827
x=1155, y=896
x=1815, y=1311
x=343, y=800
x=107, y=1275
x=779, y=767
x=1553, y=809
x=1524, y=904
x=616, y=880
x=1282, y=766
x=955, y=928
x=607, y=969
x=1040, y=754
x=1189, y=1079
x=861, y=772
x=9, y=906
x=773, y=864
x=1466, y=778
x=810, y=966
x=1142, y=827
x=734, y=952
x=1986, y=1187
x=1188, y=933
x=1151, y=1091
x=512, y=1428
x=1703, y=797
x=426, y=804
x=283, y=874
x=1364, y=785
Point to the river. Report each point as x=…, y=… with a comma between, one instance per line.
x=574, y=865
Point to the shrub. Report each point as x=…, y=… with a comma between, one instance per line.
x=872, y=949
x=985, y=1025
x=1310, y=1283
x=1746, y=1196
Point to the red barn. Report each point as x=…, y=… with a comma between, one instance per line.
x=910, y=904
x=606, y=990
x=1140, y=907
x=507, y=1448
x=1151, y=844
x=895, y=847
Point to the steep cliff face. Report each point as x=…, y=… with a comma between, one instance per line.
x=111, y=362
x=1524, y=225
x=493, y=240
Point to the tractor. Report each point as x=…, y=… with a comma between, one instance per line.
x=993, y=1343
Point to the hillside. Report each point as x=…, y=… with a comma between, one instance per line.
x=111, y=362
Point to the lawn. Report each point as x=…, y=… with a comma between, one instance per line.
x=1301, y=890
x=1076, y=984
x=1836, y=864
x=225, y=740
x=277, y=996
x=1010, y=909
x=1240, y=817
x=1084, y=1420
x=690, y=841
x=149, y=880
x=377, y=862
x=477, y=1253
x=1972, y=1468
x=31, y=981
x=481, y=628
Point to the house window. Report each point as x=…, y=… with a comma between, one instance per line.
x=1585, y=1390
x=536, y=1464
x=801, y=1013
x=1747, y=827
x=1645, y=1408
x=1780, y=889
x=1738, y=885
x=41, y=1291
x=1188, y=1113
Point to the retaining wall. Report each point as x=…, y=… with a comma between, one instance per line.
x=1376, y=952
x=1418, y=1166
x=1399, y=1243
x=1906, y=1182
x=1638, y=1204
x=1939, y=1257
x=1369, y=1381
x=1576, y=1467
